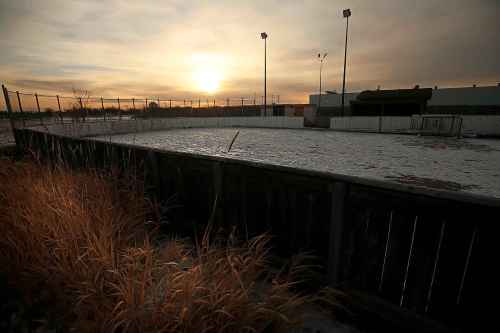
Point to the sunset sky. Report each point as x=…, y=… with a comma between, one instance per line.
x=191, y=49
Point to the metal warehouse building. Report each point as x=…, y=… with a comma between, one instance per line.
x=464, y=96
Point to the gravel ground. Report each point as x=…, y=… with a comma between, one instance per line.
x=468, y=165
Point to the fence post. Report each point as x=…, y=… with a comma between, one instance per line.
x=19, y=102
x=37, y=104
x=199, y=103
x=9, y=110
x=227, y=102
x=170, y=103
x=242, y=105
x=133, y=103
x=338, y=191
x=59, y=106
x=119, y=109
x=146, y=105
x=102, y=107
x=81, y=107
x=20, y=108
x=38, y=108
x=214, y=103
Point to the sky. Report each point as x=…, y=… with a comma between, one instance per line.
x=194, y=49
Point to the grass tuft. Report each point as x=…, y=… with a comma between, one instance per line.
x=77, y=243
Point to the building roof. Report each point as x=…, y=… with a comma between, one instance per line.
x=393, y=95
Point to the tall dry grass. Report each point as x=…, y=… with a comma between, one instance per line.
x=78, y=243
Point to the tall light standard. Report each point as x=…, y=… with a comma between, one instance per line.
x=320, y=69
x=263, y=35
x=346, y=13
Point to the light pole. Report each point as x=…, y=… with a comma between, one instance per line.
x=320, y=69
x=263, y=35
x=346, y=13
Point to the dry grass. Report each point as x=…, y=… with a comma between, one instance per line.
x=80, y=242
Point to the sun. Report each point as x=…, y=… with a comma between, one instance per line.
x=208, y=71
x=207, y=80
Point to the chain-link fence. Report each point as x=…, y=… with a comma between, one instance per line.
x=33, y=103
x=23, y=109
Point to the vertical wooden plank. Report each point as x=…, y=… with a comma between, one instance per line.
x=338, y=192
x=243, y=193
x=409, y=261
x=435, y=267
x=466, y=267
x=386, y=252
x=292, y=208
x=310, y=219
x=217, y=190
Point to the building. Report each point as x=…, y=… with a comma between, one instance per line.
x=445, y=100
x=401, y=102
x=289, y=110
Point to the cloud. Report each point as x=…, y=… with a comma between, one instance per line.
x=131, y=47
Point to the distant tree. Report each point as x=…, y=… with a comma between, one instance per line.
x=153, y=105
x=80, y=94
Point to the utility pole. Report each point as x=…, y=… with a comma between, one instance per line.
x=320, y=69
x=346, y=13
x=263, y=35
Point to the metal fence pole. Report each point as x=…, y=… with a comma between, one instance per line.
x=102, y=107
x=119, y=109
x=59, y=106
x=20, y=108
x=9, y=110
x=170, y=103
x=38, y=108
x=19, y=102
x=81, y=107
x=37, y=104
x=133, y=103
